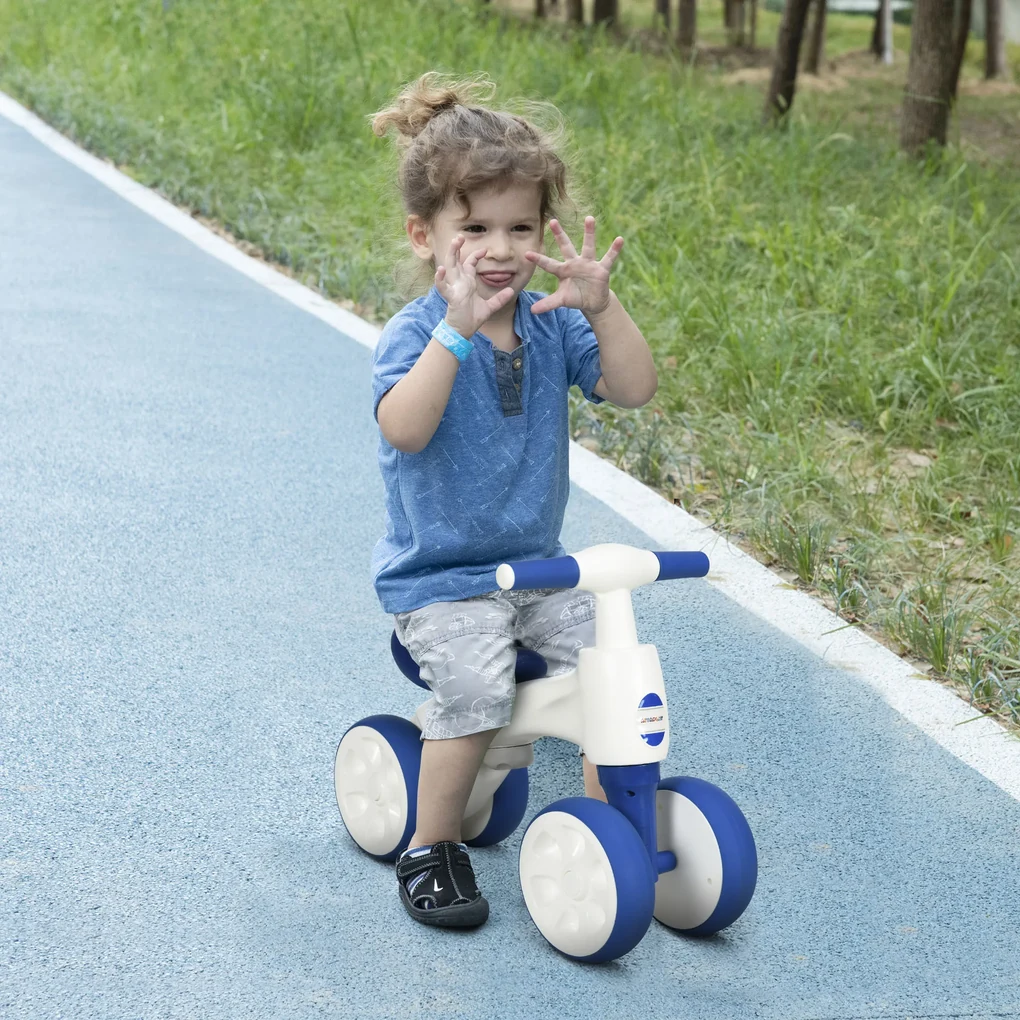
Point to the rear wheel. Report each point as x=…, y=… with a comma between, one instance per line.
x=375, y=775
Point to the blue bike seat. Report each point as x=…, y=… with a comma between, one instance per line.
x=530, y=665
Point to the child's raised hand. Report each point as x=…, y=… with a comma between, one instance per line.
x=457, y=282
x=584, y=281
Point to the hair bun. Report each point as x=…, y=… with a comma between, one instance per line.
x=422, y=100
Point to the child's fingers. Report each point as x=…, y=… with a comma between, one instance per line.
x=499, y=300
x=544, y=262
x=454, y=253
x=610, y=256
x=568, y=249
x=547, y=304
x=588, y=244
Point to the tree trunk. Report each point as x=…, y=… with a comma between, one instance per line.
x=739, y=22
x=539, y=8
x=754, y=23
x=887, y=32
x=575, y=11
x=926, y=100
x=784, y=68
x=727, y=15
x=605, y=12
x=687, y=19
x=816, y=44
x=662, y=9
x=995, y=40
x=877, y=41
x=962, y=33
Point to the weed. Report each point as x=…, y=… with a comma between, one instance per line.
x=798, y=545
x=930, y=623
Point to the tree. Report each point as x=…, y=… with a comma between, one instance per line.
x=605, y=12
x=575, y=11
x=539, y=8
x=876, y=31
x=881, y=35
x=784, y=67
x=662, y=9
x=962, y=32
x=734, y=17
x=927, y=97
x=995, y=40
x=754, y=23
x=816, y=44
x=738, y=12
x=687, y=23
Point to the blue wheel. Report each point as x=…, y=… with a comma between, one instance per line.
x=375, y=775
x=587, y=880
x=502, y=814
x=717, y=863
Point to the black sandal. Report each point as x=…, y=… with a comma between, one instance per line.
x=438, y=887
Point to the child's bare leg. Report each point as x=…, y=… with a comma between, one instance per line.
x=448, y=772
x=592, y=787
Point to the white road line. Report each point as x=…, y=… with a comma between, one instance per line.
x=982, y=743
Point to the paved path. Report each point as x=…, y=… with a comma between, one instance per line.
x=188, y=502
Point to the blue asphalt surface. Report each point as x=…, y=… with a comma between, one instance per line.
x=188, y=502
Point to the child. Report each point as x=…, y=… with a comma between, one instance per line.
x=470, y=392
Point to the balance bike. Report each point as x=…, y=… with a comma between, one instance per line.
x=593, y=874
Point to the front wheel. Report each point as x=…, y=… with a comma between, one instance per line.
x=587, y=879
x=717, y=863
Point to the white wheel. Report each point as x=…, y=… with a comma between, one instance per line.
x=587, y=879
x=717, y=864
x=375, y=775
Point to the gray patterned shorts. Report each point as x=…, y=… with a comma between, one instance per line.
x=467, y=651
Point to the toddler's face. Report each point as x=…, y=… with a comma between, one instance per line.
x=504, y=224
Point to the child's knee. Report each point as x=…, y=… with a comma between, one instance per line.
x=472, y=680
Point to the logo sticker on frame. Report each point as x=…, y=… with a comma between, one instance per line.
x=651, y=719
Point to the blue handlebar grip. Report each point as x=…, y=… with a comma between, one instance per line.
x=681, y=564
x=556, y=572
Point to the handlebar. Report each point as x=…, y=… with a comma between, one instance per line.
x=681, y=564
x=605, y=567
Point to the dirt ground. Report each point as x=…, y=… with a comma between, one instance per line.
x=843, y=70
x=985, y=121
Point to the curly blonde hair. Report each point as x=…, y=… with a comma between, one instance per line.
x=450, y=146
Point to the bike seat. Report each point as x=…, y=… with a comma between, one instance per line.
x=530, y=665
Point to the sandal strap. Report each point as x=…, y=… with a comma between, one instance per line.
x=408, y=866
x=443, y=858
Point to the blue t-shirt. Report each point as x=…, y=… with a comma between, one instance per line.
x=492, y=484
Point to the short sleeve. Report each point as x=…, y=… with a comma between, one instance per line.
x=581, y=349
x=400, y=346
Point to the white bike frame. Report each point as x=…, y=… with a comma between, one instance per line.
x=612, y=705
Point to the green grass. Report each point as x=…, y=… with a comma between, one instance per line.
x=835, y=326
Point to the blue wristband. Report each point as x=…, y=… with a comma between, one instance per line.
x=452, y=340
